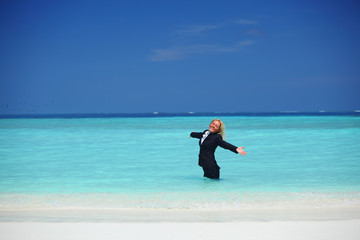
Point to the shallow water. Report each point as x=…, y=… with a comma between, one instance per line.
x=152, y=162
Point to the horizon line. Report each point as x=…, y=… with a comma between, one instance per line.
x=178, y=114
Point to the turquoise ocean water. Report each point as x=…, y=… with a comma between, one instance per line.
x=150, y=162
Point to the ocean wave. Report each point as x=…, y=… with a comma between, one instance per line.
x=193, y=200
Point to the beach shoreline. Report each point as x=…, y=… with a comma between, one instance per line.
x=144, y=215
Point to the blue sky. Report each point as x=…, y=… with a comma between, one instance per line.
x=179, y=56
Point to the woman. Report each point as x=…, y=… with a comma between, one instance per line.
x=209, y=140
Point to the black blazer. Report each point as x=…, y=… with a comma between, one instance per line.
x=208, y=147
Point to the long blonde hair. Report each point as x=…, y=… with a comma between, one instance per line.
x=221, y=129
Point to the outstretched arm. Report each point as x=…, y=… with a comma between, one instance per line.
x=231, y=147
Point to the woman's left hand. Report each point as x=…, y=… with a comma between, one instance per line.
x=241, y=151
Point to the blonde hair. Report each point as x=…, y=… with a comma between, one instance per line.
x=221, y=129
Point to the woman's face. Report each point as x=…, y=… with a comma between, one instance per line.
x=214, y=126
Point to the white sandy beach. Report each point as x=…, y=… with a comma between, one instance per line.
x=316, y=230
x=180, y=224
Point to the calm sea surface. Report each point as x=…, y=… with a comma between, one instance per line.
x=152, y=163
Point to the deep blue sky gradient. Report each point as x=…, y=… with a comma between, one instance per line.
x=179, y=56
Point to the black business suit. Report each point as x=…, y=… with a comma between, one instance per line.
x=207, y=150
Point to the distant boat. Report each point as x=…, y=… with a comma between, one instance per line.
x=357, y=111
x=155, y=112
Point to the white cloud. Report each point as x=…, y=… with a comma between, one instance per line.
x=160, y=55
x=185, y=38
x=180, y=52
